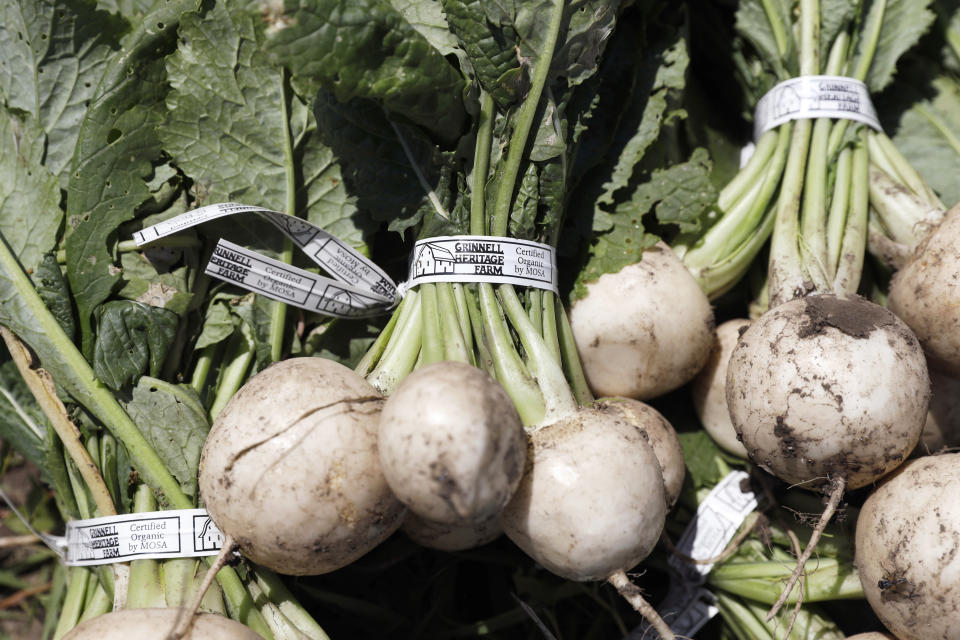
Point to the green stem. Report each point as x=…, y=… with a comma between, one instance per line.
x=787, y=279
x=524, y=123
x=276, y=592
x=570, y=357
x=548, y=323
x=839, y=204
x=780, y=30
x=543, y=363
x=870, y=40
x=431, y=340
x=145, y=589
x=400, y=355
x=509, y=368
x=375, y=352
x=813, y=212
x=850, y=260
x=484, y=356
x=202, y=368
x=481, y=165
x=239, y=355
x=278, y=310
x=463, y=317
x=455, y=347
x=72, y=607
x=747, y=626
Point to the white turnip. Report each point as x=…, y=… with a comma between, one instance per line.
x=128, y=624
x=926, y=294
x=828, y=387
x=827, y=392
x=709, y=389
x=661, y=436
x=644, y=330
x=451, y=443
x=591, y=501
x=908, y=549
x=290, y=469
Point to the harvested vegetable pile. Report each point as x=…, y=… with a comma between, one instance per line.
x=432, y=319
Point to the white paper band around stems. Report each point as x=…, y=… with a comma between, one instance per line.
x=689, y=605
x=493, y=259
x=358, y=287
x=814, y=97
x=180, y=533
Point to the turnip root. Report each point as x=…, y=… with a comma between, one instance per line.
x=830, y=393
x=907, y=543
x=290, y=469
x=709, y=389
x=871, y=635
x=942, y=428
x=128, y=624
x=644, y=330
x=926, y=294
x=451, y=537
x=592, y=499
x=661, y=436
x=827, y=387
x=451, y=444
x=591, y=503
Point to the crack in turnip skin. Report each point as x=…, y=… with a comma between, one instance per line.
x=347, y=404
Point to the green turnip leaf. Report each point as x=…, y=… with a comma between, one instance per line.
x=116, y=149
x=132, y=340
x=53, y=54
x=174, y=421
x=30, y=214
x=904, y=21
x=365, y=49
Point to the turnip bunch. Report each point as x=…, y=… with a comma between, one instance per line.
x=823, y=374
x=824, y=174
x=487, y=410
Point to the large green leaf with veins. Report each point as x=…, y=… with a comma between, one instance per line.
x=366, y=49
x=52, y=56
x=116, y=150
x=30, y=214
x=174, y=421
x=230, y=119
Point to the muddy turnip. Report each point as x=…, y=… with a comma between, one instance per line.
x=926, y=294
x=908, y=549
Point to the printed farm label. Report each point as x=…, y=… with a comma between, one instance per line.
x=814, y=97
x=186, y=533
x=493, y=259
x=356, y=287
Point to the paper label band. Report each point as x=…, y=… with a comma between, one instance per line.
x=493, y=259
x=359, y=287
x=814, y=97
x=185, y=533
x=280, y=281
x=689, y=605
x=716, y=522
